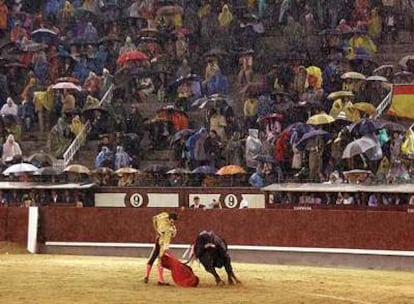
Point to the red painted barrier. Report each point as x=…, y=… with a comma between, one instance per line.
x=13, y=225
x=297, y=228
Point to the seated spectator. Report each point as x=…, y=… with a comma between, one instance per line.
x=9, y=108
x=348, y=199
x=11, y=150
x=197, y=204
x=373, y=200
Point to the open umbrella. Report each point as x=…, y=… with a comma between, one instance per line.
x=126, y=170
x=265, y=158
x=131, y=56
x=215, y=52
x=68, y=79
x=339, y=94
x=76, y=168
x=34, y=47
x=160, y=169
x=365, y=107
x=66, y=86
x=383, y=68
x=48, y=171
x=404, y=60
x=320, y=119
x=103, y=170
x=363, y=127
x=310, y=135
x=95, y=108
x=41, y=158
x=272, y=116
x=86, y=14
x=377, y=78
x=110, y=38
x=230, y=170
x=215, y=101
x=178, y=171
x=359, y=146
x=44, y=35
x=20, y=168
x=353, y=75
x=204, y=170
x=390, y=126
x=181, y=134
x=170, y=10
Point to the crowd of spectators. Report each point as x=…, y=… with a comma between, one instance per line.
x=280, y=113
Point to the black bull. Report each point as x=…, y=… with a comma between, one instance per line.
x=211, y=250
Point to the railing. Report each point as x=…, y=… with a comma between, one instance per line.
x=383, y=105
x=80, y=139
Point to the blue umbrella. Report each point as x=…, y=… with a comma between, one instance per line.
x=311, y=134
x=205, y=170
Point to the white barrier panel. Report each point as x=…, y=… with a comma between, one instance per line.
x=32, y=229
x=110, y=199
x=163, y=200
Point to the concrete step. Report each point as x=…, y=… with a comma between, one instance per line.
x=146, y=163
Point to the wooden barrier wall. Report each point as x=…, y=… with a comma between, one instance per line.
x=294, y=228
x=13, y=225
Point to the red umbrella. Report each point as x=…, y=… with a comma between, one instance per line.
x=272, y=116
x=131, y=56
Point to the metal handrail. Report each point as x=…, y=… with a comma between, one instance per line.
x=383, y=105
x=80, y=139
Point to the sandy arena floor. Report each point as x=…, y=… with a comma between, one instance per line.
x=55, y=279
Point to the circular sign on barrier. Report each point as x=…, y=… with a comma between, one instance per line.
x=231, y=201
x=136, y=200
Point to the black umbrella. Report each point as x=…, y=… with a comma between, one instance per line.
x=156, y=168
x=110, y=38
x=181, y=134
x=215, y=52
x=41, y=158
x=82, y=13
x=180, y=80
x=44, y=35
x=265, y=158
x=48, y=171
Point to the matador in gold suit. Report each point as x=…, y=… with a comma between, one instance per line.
x=165, y=229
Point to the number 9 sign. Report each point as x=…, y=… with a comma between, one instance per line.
x=231, y=201
x=136, y=200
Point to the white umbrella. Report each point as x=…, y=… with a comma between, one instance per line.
x=67, y=86
x=359, y=146
x=377, y=78
x=20, y=168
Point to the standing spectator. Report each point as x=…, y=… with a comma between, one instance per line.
x=253, y=148
x=218, y=124
x=104, y=158
x=4, y=15
x=122, y=159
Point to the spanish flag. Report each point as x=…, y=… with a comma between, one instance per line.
x=402, y=102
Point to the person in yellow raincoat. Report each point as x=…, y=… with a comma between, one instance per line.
x=165, y=230
x=374, y=24
x=346, y=106
x=362, y=41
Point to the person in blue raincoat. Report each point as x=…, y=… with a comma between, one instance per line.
x=53, y=9
x=40, y=66
x=218, y=84
x=194, y=147
x=81, y=70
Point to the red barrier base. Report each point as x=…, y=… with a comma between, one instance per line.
x=182, y=274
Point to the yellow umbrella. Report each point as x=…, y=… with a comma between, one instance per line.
x=230, y=170
x=320, y=119
x=353, y=75
x=75, y=168
x=126, y=170
x=365, y=107
x=339, y=94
